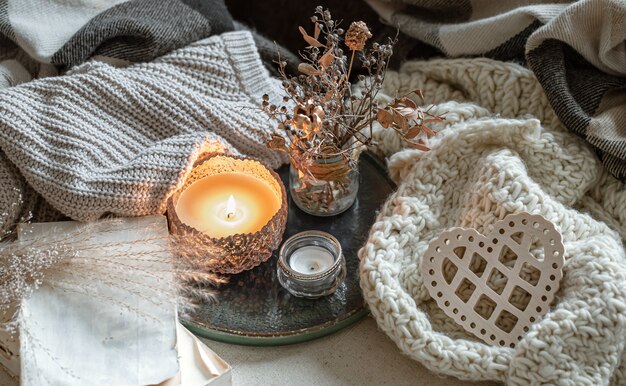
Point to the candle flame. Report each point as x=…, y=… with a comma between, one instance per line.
x=231, y=207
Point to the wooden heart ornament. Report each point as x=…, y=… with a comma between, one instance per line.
x=497, y=285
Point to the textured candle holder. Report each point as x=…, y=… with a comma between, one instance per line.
x=238, y=252
x=314, y=285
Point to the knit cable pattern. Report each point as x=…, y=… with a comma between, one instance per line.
x=493, y=157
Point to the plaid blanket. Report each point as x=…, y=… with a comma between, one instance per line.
x=39, y=38
x=576, y=50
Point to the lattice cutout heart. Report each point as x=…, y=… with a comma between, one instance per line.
x=496, y=286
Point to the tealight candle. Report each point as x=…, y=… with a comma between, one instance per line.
x=311, y=264
x=311, y=259
x=231, y=209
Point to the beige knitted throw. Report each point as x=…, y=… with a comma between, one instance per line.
x=501, y=151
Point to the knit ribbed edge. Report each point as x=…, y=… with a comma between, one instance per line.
x=254, y=79
x=208, y=145
x=244, y=57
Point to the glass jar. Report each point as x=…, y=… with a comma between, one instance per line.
x=311, y=264
x=327, y=188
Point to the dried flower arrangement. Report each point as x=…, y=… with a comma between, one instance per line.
x=323, y=126
x=66, y=261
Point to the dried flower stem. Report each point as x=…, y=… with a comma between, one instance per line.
x=328, y=121
x=66, y=261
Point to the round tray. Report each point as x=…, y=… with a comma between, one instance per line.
x=253, y=309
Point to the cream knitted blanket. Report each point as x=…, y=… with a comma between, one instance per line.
x=577, y=50
x=502, y=150
x=103, y=139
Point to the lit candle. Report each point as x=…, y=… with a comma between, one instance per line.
x=311, y=260
x=225, y=204
x=232, y=210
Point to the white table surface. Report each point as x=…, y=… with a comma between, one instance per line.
x=358, y=355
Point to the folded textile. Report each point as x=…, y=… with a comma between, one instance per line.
x=270, y=51
x=103, y=139
x=41, y=36
x=18, y=201
x=502, y=150
x=104, y=315
x=576, y=50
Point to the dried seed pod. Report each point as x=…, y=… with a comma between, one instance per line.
x=357, y=35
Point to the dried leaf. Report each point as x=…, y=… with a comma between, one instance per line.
x=401, y=122
x=300, y=109
x=309, y=39
x=308, y=69
x=428, y=131
x=413, y=132
x=406, y=107
x=419, y=146
x=277, y=142
x=316, y=33
x=408, y=112
x=404, y=124
x=407, y=102
x=419, y=94
x=302, y=122
x=319, y=111
x=327, y=58
x=385, y=118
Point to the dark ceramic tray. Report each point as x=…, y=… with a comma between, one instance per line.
x=253, y=309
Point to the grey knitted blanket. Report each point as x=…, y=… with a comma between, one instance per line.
x=104, y=106
x=102, y=139
x=576, y=50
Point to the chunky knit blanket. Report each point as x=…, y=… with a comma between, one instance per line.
x=577, y=51
x=502, y=150
x=103, y=139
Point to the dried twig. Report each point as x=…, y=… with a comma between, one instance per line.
x=321, y=119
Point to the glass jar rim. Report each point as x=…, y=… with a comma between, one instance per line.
x=313, y=235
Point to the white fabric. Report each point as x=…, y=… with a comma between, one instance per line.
x=123, y=332
x=199, y=365
x=41, y=27
x=482, y=33
x=502, y=150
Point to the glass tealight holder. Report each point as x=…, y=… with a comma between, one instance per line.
x=311, y=264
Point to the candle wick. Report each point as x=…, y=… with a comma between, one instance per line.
x=231, y=208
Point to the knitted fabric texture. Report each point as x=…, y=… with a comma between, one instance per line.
x=501, y=151
x=38, y=36
x=577, y=50
x=103, y=139
x=18, y=201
